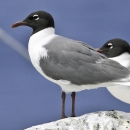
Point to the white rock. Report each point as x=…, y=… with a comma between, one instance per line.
x=103, y=120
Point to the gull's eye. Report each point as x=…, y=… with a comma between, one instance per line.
x=110, y=45
x=35, y=17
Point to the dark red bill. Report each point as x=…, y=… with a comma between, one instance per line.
x=20, y=23
x=99, y=50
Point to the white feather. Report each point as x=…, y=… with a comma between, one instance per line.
x=37, y=50
x=122, y=93
x=123, y=59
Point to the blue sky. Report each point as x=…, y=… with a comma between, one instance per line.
x=27, y=98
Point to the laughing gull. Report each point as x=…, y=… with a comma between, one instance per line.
x=73, y=65
x=119, y=50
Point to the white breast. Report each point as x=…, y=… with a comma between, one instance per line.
x=123, y=59
x=36, y=47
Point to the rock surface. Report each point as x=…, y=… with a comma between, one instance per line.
x=103, y=120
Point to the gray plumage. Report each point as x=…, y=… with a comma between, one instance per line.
x=79, y=63
x=73, y=65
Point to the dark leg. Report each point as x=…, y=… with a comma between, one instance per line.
x=63, y=96
x=73, y=104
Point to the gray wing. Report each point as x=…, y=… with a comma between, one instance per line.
x=79, y=63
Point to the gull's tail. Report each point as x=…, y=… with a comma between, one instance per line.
x=122, y=93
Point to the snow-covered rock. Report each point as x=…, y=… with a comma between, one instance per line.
x=103, y=120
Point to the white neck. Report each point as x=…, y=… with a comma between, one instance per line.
x=36, y=45
x=42, y=34
x=123, y=59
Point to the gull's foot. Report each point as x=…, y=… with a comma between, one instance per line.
x=63, y=116
x=111, y=110
x=73, y=115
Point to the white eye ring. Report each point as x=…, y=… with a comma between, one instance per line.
x=110, y=45
x=35, y=16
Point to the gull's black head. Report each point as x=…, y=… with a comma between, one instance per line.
x=37, y=21
x=114, y=47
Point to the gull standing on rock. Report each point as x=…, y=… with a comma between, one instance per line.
x=73, y=65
